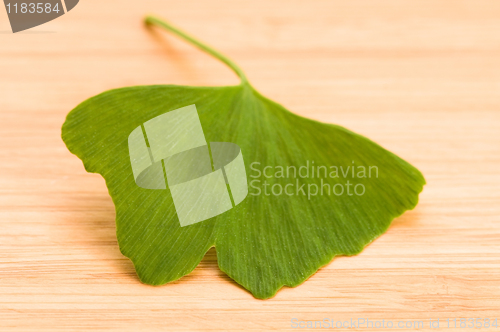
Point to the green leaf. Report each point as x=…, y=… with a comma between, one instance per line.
x=267, y=241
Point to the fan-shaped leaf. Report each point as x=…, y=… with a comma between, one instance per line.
x=271, y=239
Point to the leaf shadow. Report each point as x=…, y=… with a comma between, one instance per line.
x=91, y=222
x=208, y=269
x=181, y=63
x=408, y=220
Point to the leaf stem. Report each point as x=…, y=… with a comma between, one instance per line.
x=151, y=20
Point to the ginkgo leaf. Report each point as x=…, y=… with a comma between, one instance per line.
x=289, y=225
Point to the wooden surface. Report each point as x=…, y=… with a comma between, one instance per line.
x=422, y=78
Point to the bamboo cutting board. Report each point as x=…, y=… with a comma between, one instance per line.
x=421, y=78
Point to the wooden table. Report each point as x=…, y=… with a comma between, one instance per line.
x=422, y=78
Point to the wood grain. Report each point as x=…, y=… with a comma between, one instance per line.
x=421, y=78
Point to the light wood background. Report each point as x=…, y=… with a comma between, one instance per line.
x=422, y=78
